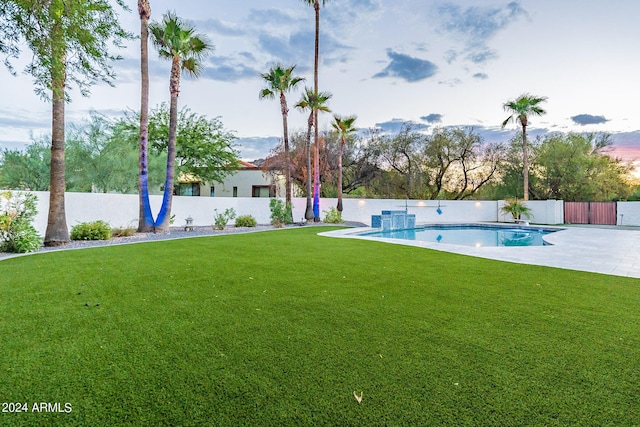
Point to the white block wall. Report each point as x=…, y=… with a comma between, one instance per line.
x=121, y=210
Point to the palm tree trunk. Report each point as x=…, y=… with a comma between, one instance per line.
x=316, y=163
x=57, y=233
x=308, y=213
x=339, y=207
x=525, y=163
x=145, y=217
x=316, y=172
x=164, y=217
x=287, y=154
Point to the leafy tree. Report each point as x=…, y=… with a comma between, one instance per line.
x=359, y=170
x=178, y=42
x=451, y=163
x=204, y=149
x=313, y=102
x=402, y=155
x=102, y=157
x=26, y=170
x=344, y=126
x=300, y=172
x=458, y=163
x=280, y=80
x=521, y=108
x=69, y=41
x=9, y=33
x=145, y=216
x=575, y=167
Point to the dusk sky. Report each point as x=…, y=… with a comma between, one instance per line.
x=432, y=63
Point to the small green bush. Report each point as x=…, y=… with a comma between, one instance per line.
x=246, y=221
x=17, y=211
x=333, y=216
x=221, y=220
x=96, y=230
x=280, y=214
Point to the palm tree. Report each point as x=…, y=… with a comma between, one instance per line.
x=177, y=42
x=344, y=126
x=520, y=110
x=280, y=80
x=316, y=197
x=312, y=103
x=145, y=217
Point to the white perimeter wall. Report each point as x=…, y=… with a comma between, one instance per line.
x=628, y=213
x=121, y=210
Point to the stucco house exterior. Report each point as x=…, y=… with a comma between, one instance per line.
x=247, y=181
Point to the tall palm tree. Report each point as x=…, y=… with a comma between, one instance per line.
x=280, y=80
x=312, y=103
x=344, y=127
x=145, y=217
x=521, y=108
x=177, y=42
x=316, y=198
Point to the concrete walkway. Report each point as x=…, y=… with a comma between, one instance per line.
x=597, y=250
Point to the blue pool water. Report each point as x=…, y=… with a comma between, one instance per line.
x=470, y=235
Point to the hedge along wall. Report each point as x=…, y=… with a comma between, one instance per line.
x=121, y=210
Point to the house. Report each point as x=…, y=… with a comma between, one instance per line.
x=248, y=181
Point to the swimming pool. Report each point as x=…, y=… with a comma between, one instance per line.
x=478, y=235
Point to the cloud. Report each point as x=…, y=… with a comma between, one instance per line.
x=219, y=27
x=480, y=76
x=588, y=119
x=350, y=13
x=481, y=56
x=407, y=68
x=450, y=56
x=451, y=82
x=12, y=145
x=475, y=26
x=396, y=125
x=276, y=18
x=627, y=139
x=297, y=48
x=228, y=70
x=432, y=118
x=253, y=148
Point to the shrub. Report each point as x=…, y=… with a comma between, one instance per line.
x=96, y=230
x=280, y=214
x=122, y=231
x=220, y=220
x=517, y=209
x=246, y=221
x=17, y=211
x=333, y=216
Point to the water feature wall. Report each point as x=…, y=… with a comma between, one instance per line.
x=393, y=220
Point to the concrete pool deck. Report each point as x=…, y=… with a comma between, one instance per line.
x=612, y=251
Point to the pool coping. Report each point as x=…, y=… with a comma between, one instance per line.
x=596, y=250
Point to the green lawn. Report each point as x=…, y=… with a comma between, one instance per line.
x=280, y=328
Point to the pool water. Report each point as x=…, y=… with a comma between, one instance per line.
x=470, y=235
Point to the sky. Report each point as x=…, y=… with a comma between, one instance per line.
x=425, y=62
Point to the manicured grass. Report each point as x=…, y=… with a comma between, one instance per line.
x=280, y=328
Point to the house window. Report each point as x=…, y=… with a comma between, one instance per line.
x=187, y=189
x=212, y=191
x=263, y=191
x=235, y=191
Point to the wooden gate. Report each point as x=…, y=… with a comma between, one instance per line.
x=604, y=213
